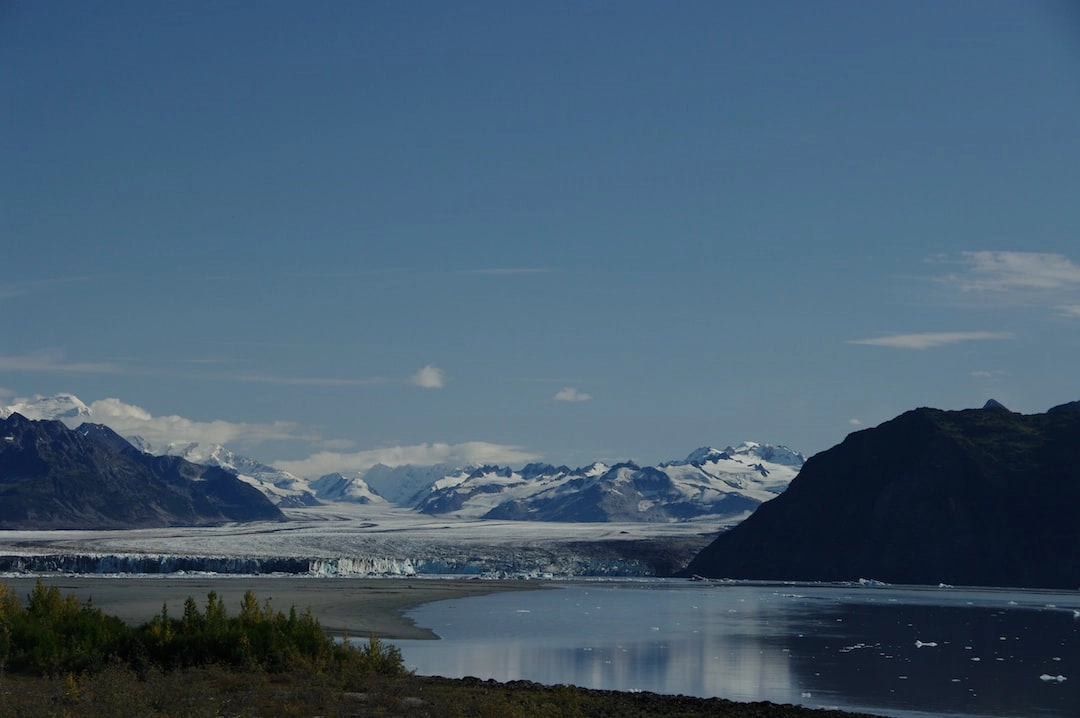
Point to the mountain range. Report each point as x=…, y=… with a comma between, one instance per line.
x=727, y=484
x=973, y=497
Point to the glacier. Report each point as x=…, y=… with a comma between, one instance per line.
x=362, y=540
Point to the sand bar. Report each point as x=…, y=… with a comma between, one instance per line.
x=358, y=607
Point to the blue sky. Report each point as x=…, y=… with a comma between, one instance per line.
x=336, y=233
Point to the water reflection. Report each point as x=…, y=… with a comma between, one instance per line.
x=892, y=651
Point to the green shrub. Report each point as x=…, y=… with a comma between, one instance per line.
x=54, y=635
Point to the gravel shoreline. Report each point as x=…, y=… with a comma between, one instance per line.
x=358, y=607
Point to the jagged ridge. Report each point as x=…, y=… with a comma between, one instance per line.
x=727, y=484
x=55, y=477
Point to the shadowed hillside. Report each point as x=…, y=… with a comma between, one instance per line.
x=975, y=497
x=52, y=477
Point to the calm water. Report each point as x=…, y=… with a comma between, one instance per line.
x=886, y=650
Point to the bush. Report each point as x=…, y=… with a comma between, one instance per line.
x=54, y=635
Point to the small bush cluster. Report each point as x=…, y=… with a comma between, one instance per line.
x=53, y=635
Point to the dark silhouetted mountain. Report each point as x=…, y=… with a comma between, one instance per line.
x=975, y=497
x=53, y=477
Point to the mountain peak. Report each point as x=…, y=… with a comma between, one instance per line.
x=747, y=450
x=705, y=454
x=58, y=407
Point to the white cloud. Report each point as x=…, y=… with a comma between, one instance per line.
x=854, y=422
x=569, y=393
x=429, y=377
x=1004, y=271
x=928, y=340
x=130, y=420
x=111, y=409
x=470, y=452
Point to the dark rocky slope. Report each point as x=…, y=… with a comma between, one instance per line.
x=53, y=477
x=976, y=497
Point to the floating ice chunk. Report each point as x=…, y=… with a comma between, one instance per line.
x=854, y=647
x=926, y=644
x=1057, y=679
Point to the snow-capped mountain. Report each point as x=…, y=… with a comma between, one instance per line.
x=61, y=407
x=281, y=487
x=339, y=487
x=729, y=484
x=406, y=485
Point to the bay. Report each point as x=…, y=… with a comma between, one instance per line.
x=889, y=650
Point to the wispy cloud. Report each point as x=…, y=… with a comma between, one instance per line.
x=988, y=271
x=854, y=422
x=309, y=380
x=506, y=270
x=929, y=340
x=569, y=393
x=55, y=363
x=1069, y=310
x=429, y=377
x=12, y=290
x=468, y=453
